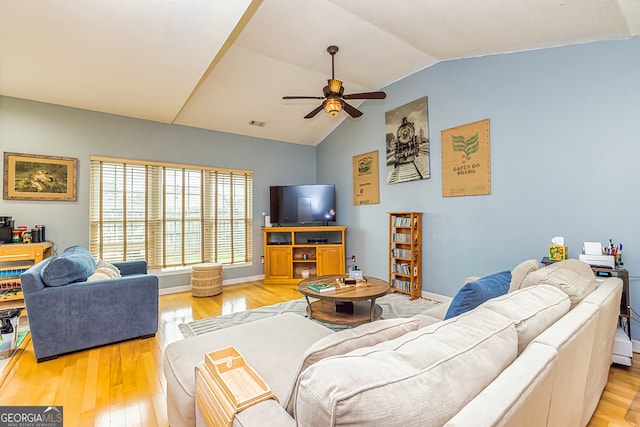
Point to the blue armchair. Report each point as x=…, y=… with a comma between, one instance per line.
x=66, y=317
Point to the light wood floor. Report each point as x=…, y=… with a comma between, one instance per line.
x=123, y=384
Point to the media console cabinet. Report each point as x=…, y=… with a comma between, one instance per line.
x=292, y=252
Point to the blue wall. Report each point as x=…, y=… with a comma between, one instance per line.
x=37, y=128
x=565, y=141
x=565, y=149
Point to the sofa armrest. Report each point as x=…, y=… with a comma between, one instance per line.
x=438, y=311
x=128, y=268
x=426, y=320
x=267, y=413
x=31, y=280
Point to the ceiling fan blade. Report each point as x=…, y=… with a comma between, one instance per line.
x=351, y=110
x=366, y=95
x=302, y=97
x=314, y=112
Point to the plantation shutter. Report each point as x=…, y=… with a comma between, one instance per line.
x=169, y=215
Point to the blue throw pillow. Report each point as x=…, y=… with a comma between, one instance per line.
x=475, y=293
x=75, y=264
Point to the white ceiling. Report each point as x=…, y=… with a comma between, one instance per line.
x=220, y=64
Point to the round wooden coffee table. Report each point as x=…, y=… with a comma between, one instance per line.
x=347, y=304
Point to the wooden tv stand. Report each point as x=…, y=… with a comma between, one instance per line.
x=288, y=251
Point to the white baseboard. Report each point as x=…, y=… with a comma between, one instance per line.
x=242, y=280
x=174, y=290
x=635, y=345
x=187, y=288
x=435, y=297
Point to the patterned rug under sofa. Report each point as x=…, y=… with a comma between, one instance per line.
x=393, y=306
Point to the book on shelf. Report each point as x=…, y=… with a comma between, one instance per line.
x=401, y=253
x=321, y=287
x=401, y=268
x=400, y=221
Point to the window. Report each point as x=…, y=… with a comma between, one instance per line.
x=169, y=215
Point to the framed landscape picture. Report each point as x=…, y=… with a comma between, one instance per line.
x=36, y=177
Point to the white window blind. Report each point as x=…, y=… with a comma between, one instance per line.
x=169, y=215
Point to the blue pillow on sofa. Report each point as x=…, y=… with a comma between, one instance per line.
x=75, y=264
x=475, y=293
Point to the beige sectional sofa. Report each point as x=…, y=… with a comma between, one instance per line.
x=538, y=355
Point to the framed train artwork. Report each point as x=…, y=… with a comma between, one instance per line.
x=407, y=141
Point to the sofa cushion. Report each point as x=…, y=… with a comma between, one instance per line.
x=532, y=310
x=104, y=271
x=475, y=293
x=344, y=341
x=520, y=272
x=366, y=335
x=75, y=264
x=373, y=385
x=571, y=276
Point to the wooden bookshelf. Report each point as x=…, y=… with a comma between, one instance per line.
x=15, y=259
x=405, y=253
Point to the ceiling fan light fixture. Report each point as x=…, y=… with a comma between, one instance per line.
x=334, y=85
x=333, y=99
x=333, y=106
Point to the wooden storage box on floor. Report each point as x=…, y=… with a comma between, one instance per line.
x=206, y=279
x=226, y=384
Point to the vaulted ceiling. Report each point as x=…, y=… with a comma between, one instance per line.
x=223, y=64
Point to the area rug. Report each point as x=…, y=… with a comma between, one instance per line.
x=393, y=306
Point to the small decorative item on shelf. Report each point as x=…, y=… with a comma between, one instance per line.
x=41, y=227
x=346, y=282
x=16, y=236
x=615, y=251
x=26, y=237
x=356, y=274
x=304, y=274
x=35, y=235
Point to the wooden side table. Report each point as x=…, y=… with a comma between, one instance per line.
x=625, y=303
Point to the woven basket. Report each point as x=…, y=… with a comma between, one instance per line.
x=206, y=279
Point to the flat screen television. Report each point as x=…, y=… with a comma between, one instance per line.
x=303, y=204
